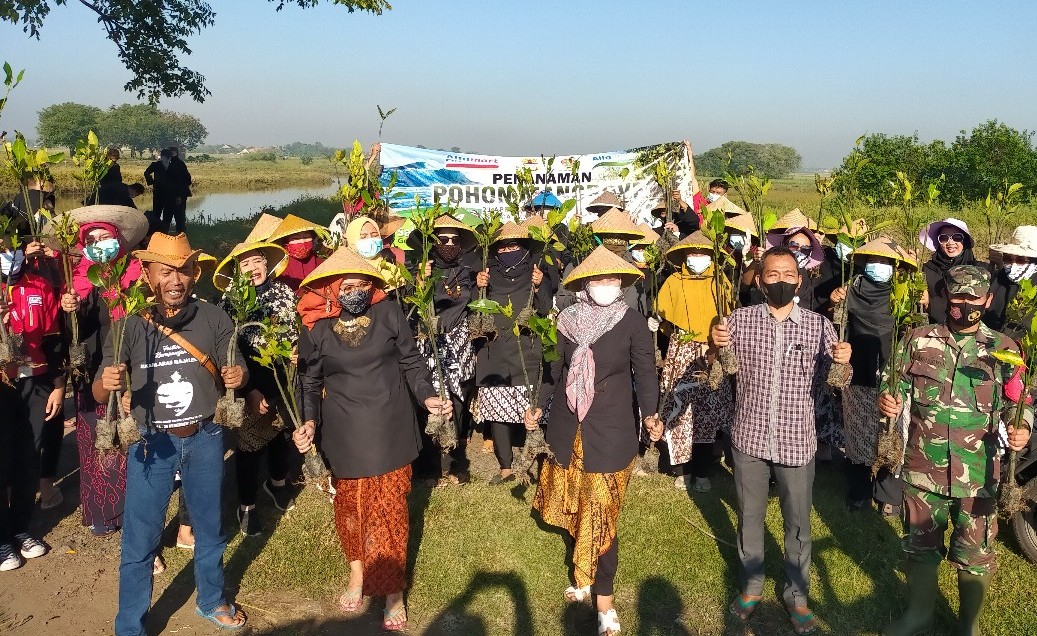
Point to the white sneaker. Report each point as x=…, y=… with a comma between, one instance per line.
x=702, y=484
x=30, y=547
x=9, y=558
x=680, y=482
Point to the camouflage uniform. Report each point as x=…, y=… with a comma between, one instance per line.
x=954, y=389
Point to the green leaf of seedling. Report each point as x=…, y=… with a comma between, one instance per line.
x=548, y=259
x=1009, y=357
x=93, y=274
x=486, y=306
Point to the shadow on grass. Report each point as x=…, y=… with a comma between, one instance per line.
x=659, y=609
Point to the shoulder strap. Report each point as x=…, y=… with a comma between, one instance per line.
x=202, y=358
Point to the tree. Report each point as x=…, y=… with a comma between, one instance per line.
x=64, y=124
x=151, y=37
x=184, y=131
x=888, y=154
x=992, y=156
x=145, y=128
x=776, y=161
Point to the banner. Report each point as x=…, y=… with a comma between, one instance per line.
x=478, y=183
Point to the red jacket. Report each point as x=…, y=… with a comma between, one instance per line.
x=33, y=306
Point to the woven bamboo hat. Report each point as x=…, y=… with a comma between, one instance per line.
x=174, y=251
x=607, y=199
x=650, y=236
x=616, y=224
x=888, y=248
x=511, y=231
x=466, y=233
x=602, y=261
x=794, y=218
x=743, y=223
x=276, y=261
x=131, y=222
x=725, y=204
x=391, y=225
x=264, y=227
x=344, y=261
x=534, y=220
x=695, y=240
x=206, y=265
x=292, y=224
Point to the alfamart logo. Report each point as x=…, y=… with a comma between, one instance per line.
x=466, y=161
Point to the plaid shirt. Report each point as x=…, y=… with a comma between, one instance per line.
x=782, y=366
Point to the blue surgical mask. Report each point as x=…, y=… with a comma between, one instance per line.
x=878, y=272
x=102, y=251
x=736, y=241
x=369, y=247
x=843, y=251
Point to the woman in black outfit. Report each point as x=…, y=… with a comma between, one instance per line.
x=951, y=244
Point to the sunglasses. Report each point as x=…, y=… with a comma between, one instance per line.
x=358, y=287
x=802, y=249
x=957, y=237
x=449, y=239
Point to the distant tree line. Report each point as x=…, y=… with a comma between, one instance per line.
x=140, y=127
x=777, y=161
x=984, y=161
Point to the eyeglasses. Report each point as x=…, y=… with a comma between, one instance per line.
x=449, y=239
x=347, y=289
x=803, y=249
x=957, y=237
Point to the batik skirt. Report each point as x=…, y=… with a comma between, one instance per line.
x=102, y=477
x=692, y=412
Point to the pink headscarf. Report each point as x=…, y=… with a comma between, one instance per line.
x=80, y=283
x=583, y=323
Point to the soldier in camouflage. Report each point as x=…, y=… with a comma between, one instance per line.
x=954, y=389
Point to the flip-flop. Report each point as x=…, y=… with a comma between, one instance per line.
x=389, y=619
x=803, y=624
x=229, y=613
x=743, y=606
x=353, y=598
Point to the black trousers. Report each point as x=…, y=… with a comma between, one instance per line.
x=700, y=466
x=21, y=440
x=505, y=436
x=168, y=211
x=248, y=464
x=608, y=563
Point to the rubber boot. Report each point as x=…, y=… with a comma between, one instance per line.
x=972, y=590
x=922, y=587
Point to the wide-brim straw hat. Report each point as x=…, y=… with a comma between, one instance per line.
x=616, y=224
x=744, y=223
x=695, y=240
x=794, y=218
x=929, y=236
x=726, y=205
x=276, y=262
x=466, y=233
x=391, y=226
x=344, y=261
x=264, y=227
x=886, y=247
x=859, y=229
x=817, y=253
x=206, y=265
x=512, y=231
x=130, y=222
x=1023, y=242
x=650, y=236
x=174, y=251
x=602, y=261
x=607, y=199
x=292, y=224
x=533, y=220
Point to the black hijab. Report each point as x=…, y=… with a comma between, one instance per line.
x=869, y=328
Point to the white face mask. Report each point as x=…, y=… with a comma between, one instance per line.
x=736, y=241
x=712, y=196
x=11, y=262
x=604, y=295
x=637, y=255
x=1018, y=271
x=843, y=251
x=698, y=263
x=369, y=247
x=802, y=258
x=878, y=272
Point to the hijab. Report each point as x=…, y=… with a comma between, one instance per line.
x=81, y=283
x=869, y=328
x=584, y=323
x=390, y=271
x=686, y=301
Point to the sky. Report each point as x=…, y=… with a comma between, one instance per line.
x=575, y=77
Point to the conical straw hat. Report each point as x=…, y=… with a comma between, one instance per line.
x=343, y=261
x=889, y=248
x=650, y=236
x=725, y=204
x=466, y=233
x=276, y=262
x=513, y=232
x=391, y=225
x=616, y=222
x=743, y=223
x=206, y=265
x=794, y=218
x=607, y=199
x=291, y=225
x=131, y=222
x=695, y=240
x=602, y=261
x=265, y=226
x=534, y=220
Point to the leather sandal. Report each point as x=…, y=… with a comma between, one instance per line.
x=577, y=594
x=608, y=623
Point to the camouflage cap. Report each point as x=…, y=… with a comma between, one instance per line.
x=967, y=279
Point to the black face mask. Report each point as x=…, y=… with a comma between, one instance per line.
x=964, y=315
x=513, y=258
x=779, y=294
x=448, y=253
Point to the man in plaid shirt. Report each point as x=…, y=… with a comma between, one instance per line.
x=784, y=354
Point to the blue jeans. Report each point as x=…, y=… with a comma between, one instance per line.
x=150, y=468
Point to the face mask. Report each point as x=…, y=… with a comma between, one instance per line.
x=301, y=250
x=369, y=247
x=513, y=258
x=165, y=162
x=638, y=255
x=712, y=196
x=736, y=241
x=878, y=272
x=964, y=315
x=102, y=251
x=448, y=253
x=779, y=294
x=604, y=295
x=697, y=263
x=1018, y=271
x=801, y=259
x=656, y=222
x=843, y=251
x=356, y=301
x=11, y=262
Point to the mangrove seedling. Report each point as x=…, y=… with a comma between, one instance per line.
x=241, y=298
x=480, y=324
x=30, y=167
x=93, y=162
x=65, y=230
x=714, y=228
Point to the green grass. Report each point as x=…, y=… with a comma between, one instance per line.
x=483, y=565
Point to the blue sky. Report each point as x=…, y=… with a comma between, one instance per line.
x=537, y=77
